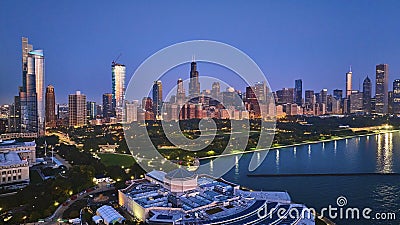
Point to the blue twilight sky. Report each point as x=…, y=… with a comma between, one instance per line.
x=312, y=40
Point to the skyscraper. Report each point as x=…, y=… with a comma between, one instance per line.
x=40, y=90
x=50, y=107
x=118, y=88
x=367, y=91
x=30, y=117
x=349, y=83
x=324, y=96
x=356, y=102
x=396, y=97
x=14, y=121
x=157, y=99
x=381, y=90
x=31, y=93
x=91, y=110
x=215, y=90
x=298, y=91
x=77, y=109
x=260, y=89
x=194, y=84
x=108, y=110
x=180, y=92
x=131, y=113
x=286, y=95
x=26, y=48
x=309, y=97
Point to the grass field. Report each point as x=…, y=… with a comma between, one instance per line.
x=116, y=160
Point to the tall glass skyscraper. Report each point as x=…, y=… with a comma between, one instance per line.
x=298, y=91
x=381, y=90
x=396, y=97
x=31, y=93
x=194, y=84
x=38, y=57
x=367, y=90
x=349, y=87
x=50, y=107
x=180, y=92
x=118, y=88
x=91, y=110
x=108, y=111
x=157, y=99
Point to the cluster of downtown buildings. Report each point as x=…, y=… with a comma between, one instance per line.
x=290, y=101
x=35, y=108
x=259, y=102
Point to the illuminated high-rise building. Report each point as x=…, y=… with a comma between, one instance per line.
x=349, y=87
x=180, y=92
x=77, y=109
x=194, y=83
x=298, y=92
x=260, y=89
x=356, y=102
x=381, y=89
x=324, y=96
x=50, y=107
x=367, y=90
x=108, y=110
x=157, y=99
x=40, y=90
x=118, y=88
x=131, y=111
x=286, y=95
x=309, y=97
x=31, y=94
x=14, y=121
x=215, y=90
x=396, y=97
x=91, y=109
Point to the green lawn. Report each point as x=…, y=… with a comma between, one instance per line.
x=116, y=160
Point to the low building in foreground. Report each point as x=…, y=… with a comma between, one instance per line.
x=108, y=148
x=183, y=197
x=109, y=215
x=14, y=171
x=26, y=150
x=15, y=160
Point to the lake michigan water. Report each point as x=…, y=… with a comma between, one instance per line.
x=378, y=153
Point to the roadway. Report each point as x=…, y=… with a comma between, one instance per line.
x=61, y=209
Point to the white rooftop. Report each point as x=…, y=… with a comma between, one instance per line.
x=109, y=214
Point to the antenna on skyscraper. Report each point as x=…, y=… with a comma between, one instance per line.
x=350, y=69
x=116, y=59
x=193, y=58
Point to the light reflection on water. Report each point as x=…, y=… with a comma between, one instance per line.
x=384, y=156
x=366, y=154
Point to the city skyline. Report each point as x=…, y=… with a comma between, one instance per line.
x=259, y=100
x=325, y=46
x=172, y=112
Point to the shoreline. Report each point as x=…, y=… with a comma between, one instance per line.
x=302, y=143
